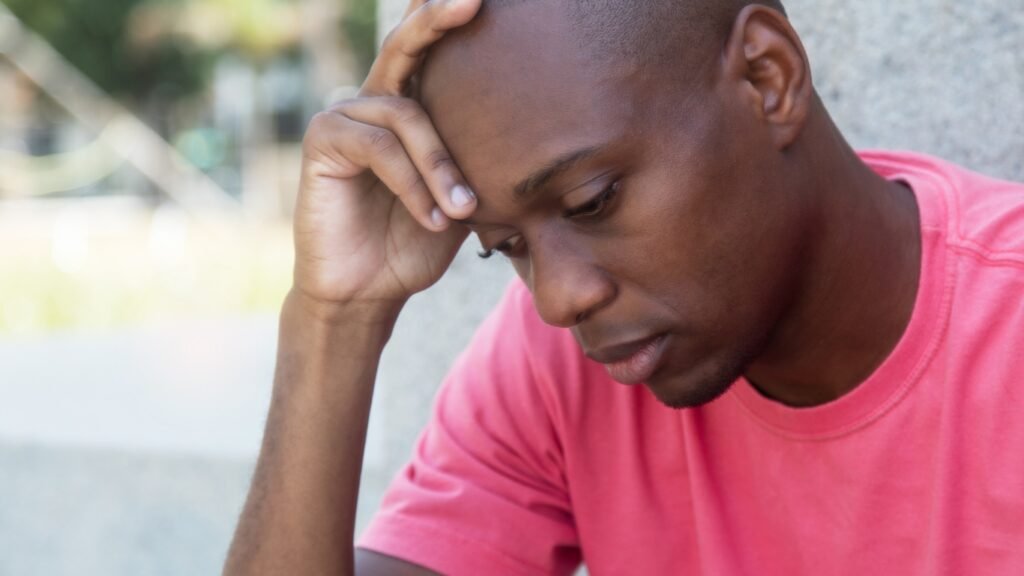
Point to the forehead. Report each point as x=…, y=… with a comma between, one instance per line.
x=516, y=89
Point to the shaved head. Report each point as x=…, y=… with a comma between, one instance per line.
x=649, y=29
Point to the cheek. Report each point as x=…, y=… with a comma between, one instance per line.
x=704, y=250
x=674, y=231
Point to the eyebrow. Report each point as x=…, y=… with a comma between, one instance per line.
x=534, y=182
x=555, y=168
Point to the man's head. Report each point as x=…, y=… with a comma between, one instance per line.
x=647, y=31
x=639, y=163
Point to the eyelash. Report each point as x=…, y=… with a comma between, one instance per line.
x=592, y=209
x=595, y=207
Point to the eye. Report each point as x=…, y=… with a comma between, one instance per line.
x=596, y=206
x=509, y=248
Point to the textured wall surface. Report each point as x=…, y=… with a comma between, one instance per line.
x=944, y=77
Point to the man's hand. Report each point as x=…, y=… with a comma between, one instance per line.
x=373, y=224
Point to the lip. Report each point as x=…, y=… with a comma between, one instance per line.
x=632, y=362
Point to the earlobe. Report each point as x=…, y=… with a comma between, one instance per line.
x=766, y=57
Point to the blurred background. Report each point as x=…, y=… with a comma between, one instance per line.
x=149, y=156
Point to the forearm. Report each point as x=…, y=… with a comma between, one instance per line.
x=300, y=514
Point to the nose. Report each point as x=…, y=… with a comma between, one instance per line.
x=567, y=287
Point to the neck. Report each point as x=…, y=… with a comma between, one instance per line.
x=857, y=295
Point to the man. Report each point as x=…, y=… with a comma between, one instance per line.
x=826, y=340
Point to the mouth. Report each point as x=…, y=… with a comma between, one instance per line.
x=633, y=362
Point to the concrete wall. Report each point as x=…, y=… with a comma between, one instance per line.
x=944, y=77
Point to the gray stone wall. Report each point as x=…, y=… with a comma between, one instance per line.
x=944, y=77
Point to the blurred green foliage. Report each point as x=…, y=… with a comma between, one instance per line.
x=93, y=35
x=360, y=26
x=96, y=37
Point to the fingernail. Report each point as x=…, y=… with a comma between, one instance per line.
x=461, y=196
x=438, y=217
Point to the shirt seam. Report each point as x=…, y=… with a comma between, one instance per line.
x=434, y=530
x=987, y=256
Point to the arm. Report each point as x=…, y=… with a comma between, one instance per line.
x=302, y=504
x=300, y=514
x=372, y=227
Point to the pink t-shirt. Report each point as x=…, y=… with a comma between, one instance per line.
x=535, y=458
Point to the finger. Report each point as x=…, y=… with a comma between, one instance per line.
x=403, y=49
x=409, y=121
x=412, y=7
x=346, y=141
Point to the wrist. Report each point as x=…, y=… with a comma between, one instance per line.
x=379, y=314
x=340, y=329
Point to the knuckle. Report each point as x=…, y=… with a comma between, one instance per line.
x=382, y=141
x=408, y=186
x=400, y=40
x=317, y=122
x=439, y=159
x=414, y=184
x=341, y=106
x=407, y=111
x=318, y=128
x=394, y=45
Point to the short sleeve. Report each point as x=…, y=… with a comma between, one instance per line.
x=485, y=491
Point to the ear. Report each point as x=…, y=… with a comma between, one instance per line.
x=767, y=61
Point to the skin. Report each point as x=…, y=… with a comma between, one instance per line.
x=373, y=226
x=719, y=204
x=742, y=226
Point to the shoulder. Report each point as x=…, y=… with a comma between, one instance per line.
x=973, y=272
x=982, y=217
x=986, y=214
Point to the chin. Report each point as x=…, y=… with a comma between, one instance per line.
x=697, y=386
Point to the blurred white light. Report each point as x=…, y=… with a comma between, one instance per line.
x=69, y=246
x=168, y=237
x=20, y=315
